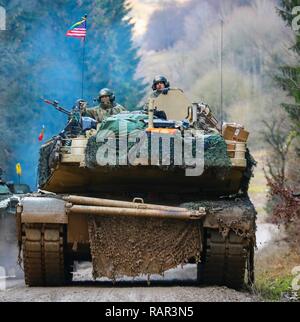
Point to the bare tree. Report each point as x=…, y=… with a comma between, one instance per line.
x=279, y=137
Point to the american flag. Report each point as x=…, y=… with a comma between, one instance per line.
x=78, y=30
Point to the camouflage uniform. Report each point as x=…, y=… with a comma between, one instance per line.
x=101, y=112
x=104, y=109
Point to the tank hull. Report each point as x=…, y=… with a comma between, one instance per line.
x=152, y=244
x=141, y=179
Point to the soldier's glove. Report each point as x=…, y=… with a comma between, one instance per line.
x=165, y=91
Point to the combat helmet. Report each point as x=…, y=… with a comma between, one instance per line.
x=160, y=79
x=106, y=92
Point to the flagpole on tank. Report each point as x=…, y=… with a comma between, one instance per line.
x=83, y=64
x=221, y=67
x=78, y=30
x=82, y=69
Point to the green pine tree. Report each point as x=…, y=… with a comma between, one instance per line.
x=111, y=57
x=14, y=89
x=37, y=59
x=289, y=78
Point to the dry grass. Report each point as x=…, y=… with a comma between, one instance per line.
x=273, y=267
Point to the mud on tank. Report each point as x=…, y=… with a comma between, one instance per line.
x=147, y=216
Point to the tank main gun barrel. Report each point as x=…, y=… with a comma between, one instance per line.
x=87, y=201
x=99, y=206
x=117, y=211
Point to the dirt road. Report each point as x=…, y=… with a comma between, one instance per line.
x=177, y=285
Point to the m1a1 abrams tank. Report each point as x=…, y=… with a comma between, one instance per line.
x=126, y=197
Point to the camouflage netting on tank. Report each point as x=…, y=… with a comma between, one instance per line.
x=248, y=173
x=215, y=152
x=215, y=148
x=229, y=214
x=133, y=246
x=45, y=163
x=130, y=122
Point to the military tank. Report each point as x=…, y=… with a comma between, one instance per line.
x=141, y=195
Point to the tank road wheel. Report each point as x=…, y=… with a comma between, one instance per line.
x=45, y=263
x=223, y=261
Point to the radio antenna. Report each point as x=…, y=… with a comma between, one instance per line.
x=221, y=66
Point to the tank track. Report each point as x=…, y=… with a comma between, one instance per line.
x=223, y=261
x=45, y=263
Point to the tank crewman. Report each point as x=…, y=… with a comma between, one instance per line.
x=160, y=85
x=107, y=106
